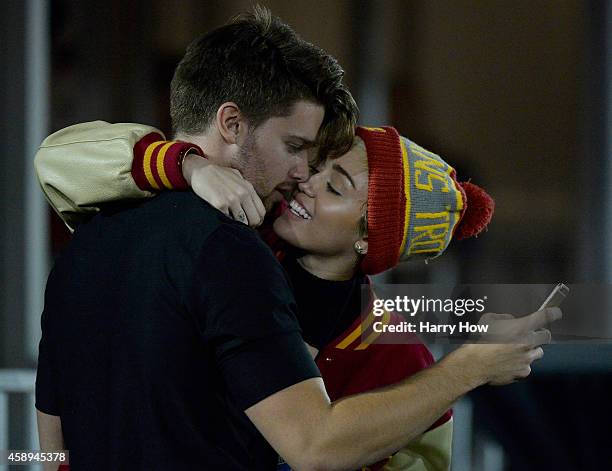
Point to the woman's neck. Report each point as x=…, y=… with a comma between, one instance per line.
x=333, y=268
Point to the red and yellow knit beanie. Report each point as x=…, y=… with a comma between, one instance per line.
x=415, y=203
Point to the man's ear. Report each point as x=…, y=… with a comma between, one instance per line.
x=230, y=122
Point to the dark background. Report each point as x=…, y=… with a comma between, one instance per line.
x=514, y=94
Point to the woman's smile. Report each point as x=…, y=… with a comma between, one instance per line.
x=298, y=210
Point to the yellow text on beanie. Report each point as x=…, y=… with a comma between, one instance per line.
x=415, y=203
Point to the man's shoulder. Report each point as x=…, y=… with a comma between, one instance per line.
x=229, y=243
x=184, y=208
x=173, y=214
x=170, y=219
x=238, y=249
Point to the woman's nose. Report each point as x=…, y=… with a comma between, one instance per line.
x=307, y=188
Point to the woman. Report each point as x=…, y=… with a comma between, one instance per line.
x=385, y=201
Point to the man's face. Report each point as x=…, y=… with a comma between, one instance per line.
x=274, y=157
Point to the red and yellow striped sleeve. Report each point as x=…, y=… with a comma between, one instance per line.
x=157, y=164
x=87, y=165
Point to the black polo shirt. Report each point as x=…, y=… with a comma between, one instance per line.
x=163, y=322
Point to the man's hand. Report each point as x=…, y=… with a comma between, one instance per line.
x=50, y=436
x=504, y=363
x=498, y=364
x=225, y=189
x=508, y=328
x=309, y=432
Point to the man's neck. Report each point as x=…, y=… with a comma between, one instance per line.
x=211, y=148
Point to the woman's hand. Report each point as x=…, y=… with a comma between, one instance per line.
x=225, y=189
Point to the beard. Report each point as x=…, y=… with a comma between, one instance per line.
x=272, y=199
x=252, y=166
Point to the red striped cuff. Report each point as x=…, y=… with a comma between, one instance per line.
x=157, y=164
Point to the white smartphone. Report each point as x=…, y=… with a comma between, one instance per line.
x=556, y=296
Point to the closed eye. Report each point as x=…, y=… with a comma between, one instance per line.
x=331, y=189
x=294, y=148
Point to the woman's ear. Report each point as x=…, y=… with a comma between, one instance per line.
x=229, y=122
x=361, y=246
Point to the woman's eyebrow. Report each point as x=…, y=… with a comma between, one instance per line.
x=341, y=170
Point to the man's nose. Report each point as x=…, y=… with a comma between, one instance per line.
x=301, y=171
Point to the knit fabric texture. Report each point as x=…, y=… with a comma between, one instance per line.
x=414, y=200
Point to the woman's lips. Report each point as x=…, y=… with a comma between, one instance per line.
x=298, y=210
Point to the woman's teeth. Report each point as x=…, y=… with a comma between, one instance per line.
x=297, y=209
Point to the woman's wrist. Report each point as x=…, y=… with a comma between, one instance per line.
x=190, y=163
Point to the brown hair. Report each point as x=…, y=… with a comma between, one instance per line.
x=362, y=225
x=263, y=66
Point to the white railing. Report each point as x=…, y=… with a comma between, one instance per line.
x=18, y=381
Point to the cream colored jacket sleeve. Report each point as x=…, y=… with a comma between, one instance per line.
x=429, y=452
x=86, y=165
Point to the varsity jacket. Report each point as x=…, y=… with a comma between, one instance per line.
x=358, y=361
x=86, y=166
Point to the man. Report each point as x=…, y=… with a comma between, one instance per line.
x=295, y=99
x=177, y=347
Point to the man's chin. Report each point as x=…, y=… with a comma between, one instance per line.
x=275, y=197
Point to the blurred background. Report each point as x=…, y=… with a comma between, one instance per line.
x=514, y=94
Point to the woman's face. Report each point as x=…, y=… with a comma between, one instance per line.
x=323, y=217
